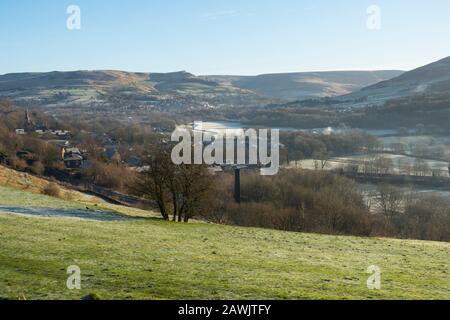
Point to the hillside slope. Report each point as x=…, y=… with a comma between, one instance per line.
x=306, y=85
x=144, y=258
x=430, y=80
x=84, y=88
x=23, y=190
x=106, y=87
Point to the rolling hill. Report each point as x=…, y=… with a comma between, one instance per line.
x=306, y=85
x=103, y=86
x=431, y=80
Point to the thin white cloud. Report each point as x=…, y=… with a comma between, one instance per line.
x=224, y=14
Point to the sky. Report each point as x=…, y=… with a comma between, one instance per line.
x=240, y=37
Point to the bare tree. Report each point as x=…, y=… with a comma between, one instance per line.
x=405, y=166
x=421, y=168
x=195, y=190
x=323, y=156
x=389, y=200
x=182, y=191
x=383, y=165
x=151, y=183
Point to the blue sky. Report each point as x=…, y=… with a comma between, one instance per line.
x=222, y=36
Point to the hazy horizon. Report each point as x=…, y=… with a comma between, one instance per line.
x=201, y=75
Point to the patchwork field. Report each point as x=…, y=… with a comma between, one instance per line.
x=141, y=257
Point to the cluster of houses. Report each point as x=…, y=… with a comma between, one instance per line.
x=63, y=134
x=73, y=157
x=32, y=128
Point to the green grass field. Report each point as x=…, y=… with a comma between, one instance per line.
x=152, y=259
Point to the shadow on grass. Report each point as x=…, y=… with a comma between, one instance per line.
x=86, y=214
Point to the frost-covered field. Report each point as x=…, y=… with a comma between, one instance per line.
x=369, y=190
x=399, y=162
x=411, y=140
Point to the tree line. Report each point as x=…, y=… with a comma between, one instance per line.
x=294, y=200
